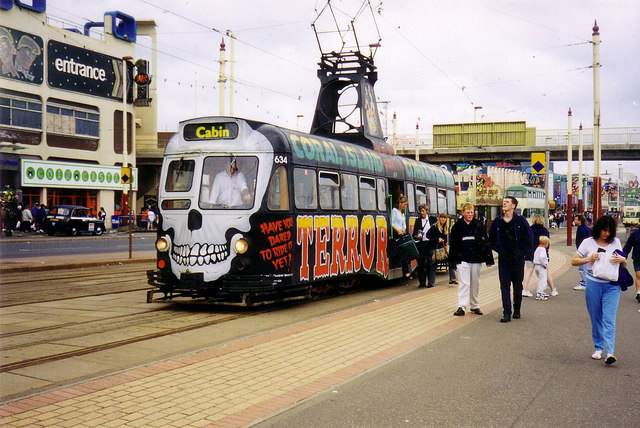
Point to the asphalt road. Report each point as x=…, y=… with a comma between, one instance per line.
x=38, y=245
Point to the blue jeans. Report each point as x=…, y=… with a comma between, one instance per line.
x=582, y=269
x=602, y=303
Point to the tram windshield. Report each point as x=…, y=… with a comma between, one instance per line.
x=228, y=182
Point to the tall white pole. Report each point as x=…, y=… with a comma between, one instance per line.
x=418, y=139
x=580, y=197
x=395, y=129
x=597, y=192
x=569, y=182
x=232, y=73
x=222, y=79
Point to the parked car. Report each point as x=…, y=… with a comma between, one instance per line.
x=72, y=220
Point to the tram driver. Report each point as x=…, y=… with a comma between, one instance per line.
x=230, y=187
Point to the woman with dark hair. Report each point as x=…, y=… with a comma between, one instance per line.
x=602, y=297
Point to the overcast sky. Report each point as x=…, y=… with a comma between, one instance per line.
x=518, y=60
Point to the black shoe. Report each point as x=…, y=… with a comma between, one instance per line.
x=638, y=297
x=459, y=312
x=430, y=286
x=610, y=359
x=422, y=286
x=516, y=316
x=477, y=311
x=505, y=319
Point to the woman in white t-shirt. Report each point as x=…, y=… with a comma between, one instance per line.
x=601, y=295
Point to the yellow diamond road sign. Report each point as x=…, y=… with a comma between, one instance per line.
x=125, y=175
x=537, y=163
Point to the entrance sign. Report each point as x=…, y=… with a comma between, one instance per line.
x=36, y=173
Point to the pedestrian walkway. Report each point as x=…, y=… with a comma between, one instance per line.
x=243, y=381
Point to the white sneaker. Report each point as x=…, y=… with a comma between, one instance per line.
x=579, y=287
x=541, y=296
x=597, y=355
x=554, y=293
x=526, y=293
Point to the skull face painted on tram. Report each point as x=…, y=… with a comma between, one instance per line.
x=208, y=200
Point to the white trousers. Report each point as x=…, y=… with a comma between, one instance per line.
x=468, y=284
x=541, y=271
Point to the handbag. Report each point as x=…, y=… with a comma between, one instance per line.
x=406, y=248
x=604, y=269
x=440, y=254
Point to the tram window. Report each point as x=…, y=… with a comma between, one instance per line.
x=433, y=201
x=421, y=194
x=411, y=197
x=228, y=182
x=382, y=193
x=442, y=200
x=367, y=193
x=451, y=202
x=179, y=175
x=329, y=188
x=349, y=192
x=305, y=190
x=278, y=193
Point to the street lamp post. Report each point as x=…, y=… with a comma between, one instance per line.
x=597, y=183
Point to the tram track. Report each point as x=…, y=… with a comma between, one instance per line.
x=114, y=344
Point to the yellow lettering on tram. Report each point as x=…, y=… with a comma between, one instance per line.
x=220, y=132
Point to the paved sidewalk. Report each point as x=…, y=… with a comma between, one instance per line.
x=243, y=381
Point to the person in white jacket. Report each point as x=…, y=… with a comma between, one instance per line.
x=540, y=263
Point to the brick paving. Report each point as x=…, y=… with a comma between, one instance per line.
x=243, y=381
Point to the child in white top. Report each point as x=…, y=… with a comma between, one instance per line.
x=540, y=262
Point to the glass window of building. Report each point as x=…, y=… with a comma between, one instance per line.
x=72, y=119
x=22, y=110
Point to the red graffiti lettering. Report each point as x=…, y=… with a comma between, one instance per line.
x=305, y=238
x=353, y=255
x=367, y=229
x=321, y=267
x=382, y=265
x=339, y=260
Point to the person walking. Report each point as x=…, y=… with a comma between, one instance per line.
x=633, y=243
x=512, y=239
x=151, y=218
x=468, y=249
x=538, y=230
x=602, y=297
x=421, y=228
x=440, y=235
x=582, y=232
x=541, y=263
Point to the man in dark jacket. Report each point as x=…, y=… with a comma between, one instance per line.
x=468, y=249
x=512, y=239
x=582, y=232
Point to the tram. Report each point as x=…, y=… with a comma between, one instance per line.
x=309, y=212
x=531, y=200
x=631, y=212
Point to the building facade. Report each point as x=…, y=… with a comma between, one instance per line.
x=61, y=109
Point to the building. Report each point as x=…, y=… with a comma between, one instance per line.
x=61, y=108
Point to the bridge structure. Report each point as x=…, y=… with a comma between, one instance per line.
x=617, y=144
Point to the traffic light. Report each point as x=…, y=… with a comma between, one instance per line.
x=142, y=79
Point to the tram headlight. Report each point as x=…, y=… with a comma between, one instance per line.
x=241, y=246
x=163, y=244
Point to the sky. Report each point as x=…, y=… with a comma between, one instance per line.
x=437, y=60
